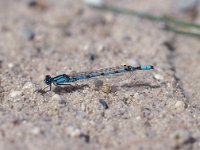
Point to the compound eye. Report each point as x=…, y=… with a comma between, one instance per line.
x=47, y=79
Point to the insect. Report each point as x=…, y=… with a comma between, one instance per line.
x=65, y=79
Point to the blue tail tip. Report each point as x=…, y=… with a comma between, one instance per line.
x=147, y=67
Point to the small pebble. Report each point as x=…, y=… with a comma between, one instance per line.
x=169, y=45
x=98, y=84
x=56, y=97
x=83, y=107
x=86, y=46
x=158, y=77
x=92, y=56
x=181, y=136
x=39, y=37
x=17, y=121
x=106, y=89
x=28, y=34
x=36, y=131
x=10, y=65
x=180, y=105
x=15, y=94
x=59, y=99
x=101, y=48
x=39, y=4
x=138, y=118
x=103, y=103
x=86, y=137
x=28, y=86
x=136, y=96
x=74, y=132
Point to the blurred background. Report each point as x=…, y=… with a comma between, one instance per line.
x=146, y=110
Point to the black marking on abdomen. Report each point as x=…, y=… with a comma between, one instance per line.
x=88, y=76
x=128, y=68
x=116, y=71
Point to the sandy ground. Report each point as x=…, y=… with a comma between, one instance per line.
x=156, y=109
